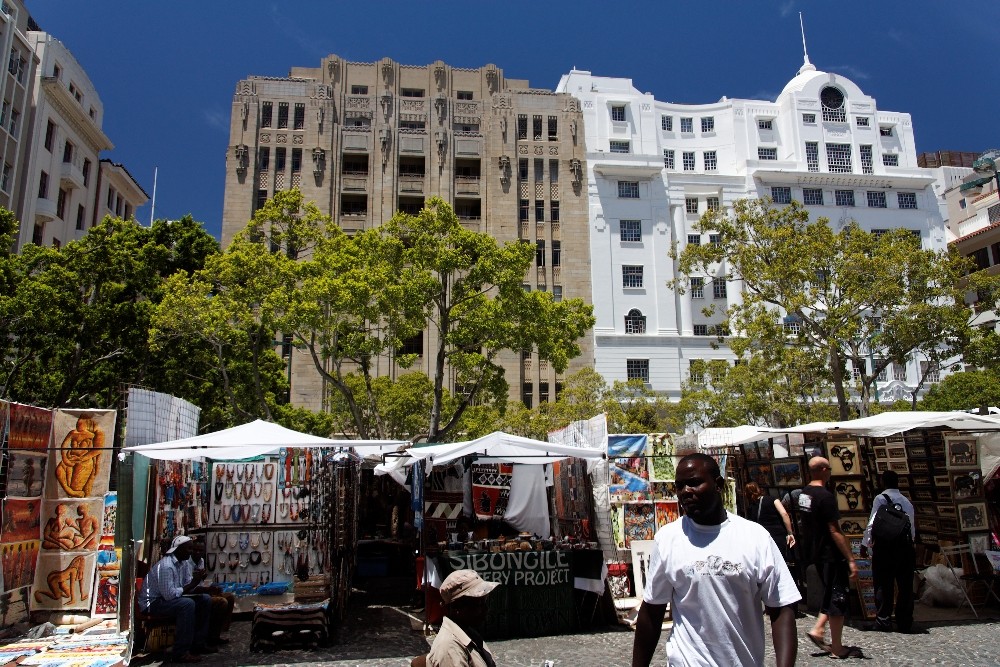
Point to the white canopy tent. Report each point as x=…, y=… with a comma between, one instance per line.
x=257, y=438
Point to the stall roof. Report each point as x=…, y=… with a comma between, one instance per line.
x=249, y=440
x=890, y=423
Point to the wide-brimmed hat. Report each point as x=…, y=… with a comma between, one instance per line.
x=179, y=540
x=467, y=584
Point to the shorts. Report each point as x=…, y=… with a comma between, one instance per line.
x=835, y=577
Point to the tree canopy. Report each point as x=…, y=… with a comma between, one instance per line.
x=834, y=296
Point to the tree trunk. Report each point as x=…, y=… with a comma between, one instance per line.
x=444, y=324
x=837, y=369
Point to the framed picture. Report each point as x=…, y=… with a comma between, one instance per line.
x=929, y=525
x=788, y=472
x=844, y=459
x=966, y=484
x=896, y=452
x=904, y=482
x=760, y=472
x=881, y=452
x=918, y=466
x=942, y=480
x=918, y=452
x=881, y=466
x=946, y=510
x=853, y=523
x=925, y=509
x=971, y=516
x=947, y=527
x=961, y=452
x=898, y=438
x=922, y=493
x=936, y=449
x=944, y=493
x=979, y=542
x=850, y=495
x=899, y=466
x=750, y=451
x=922, y=480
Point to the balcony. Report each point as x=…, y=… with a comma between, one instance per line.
x=71, y=174
x=468, y=144
x=411, y=183
x=357, y=139
x=353, y=221
x=45, y=209
x=355, y=181
x=467, y=185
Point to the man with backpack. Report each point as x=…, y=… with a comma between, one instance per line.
x=890, y=536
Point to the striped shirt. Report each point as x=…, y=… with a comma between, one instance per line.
x=163, y=582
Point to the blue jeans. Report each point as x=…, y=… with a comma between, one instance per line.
x=191, y=614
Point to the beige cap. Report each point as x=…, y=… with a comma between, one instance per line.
x=465, y=583
x=179, y=540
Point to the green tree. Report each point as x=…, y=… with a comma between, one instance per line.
x=868, y=299
x=967, y=390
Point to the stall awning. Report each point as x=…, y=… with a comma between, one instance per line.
x=257, y=438
x=890, y=423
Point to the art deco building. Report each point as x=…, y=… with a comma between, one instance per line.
x=654, y=167
x=363, y=140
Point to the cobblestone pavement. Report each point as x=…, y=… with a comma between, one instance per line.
x=383, y=635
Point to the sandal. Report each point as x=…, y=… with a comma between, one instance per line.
x=818, y=642
x=849, y=652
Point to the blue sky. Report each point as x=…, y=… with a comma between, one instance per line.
x=166, y=71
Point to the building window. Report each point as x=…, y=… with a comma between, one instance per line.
x=261, y=199
x=50, y=132
x=264, y=158
x=930, y=371
x=765, y=124
x=464, y=95
x=618, y=113
x=631, y=277
x=522, y=210
x=862, y=121
x=899, y=372
x=556, y=253
x=711, y=162
x=3, y=113
x=667, y=123
x=635, y=322
x=866, y=159
x=522, y=169
x=68, y=152
x=719, y=288
x=296, y=160
x=691, y=204
x=843, y=197
x=885, y=130
x=539, y=210
x=715, y=239
x=81, y=215
x=38, y=234
x=522, y=126
x=696, y=370
x=553, y=128
x=688, y=158
x=111, y=199
x=554, y=211
x=299, y=122
x=701, y=330
x=668, y=159
x=809, y=118
x=553, y=171
x=412, y=125
x=630, y=231
x=707, y=124
x=767, y=153
x=890, y=159
x=527, y=393
x=812, y=196
x=876, y=199
x=282, y=115
x=694, y=239
x=539, y=253
x=906, y=199
x=628, y=189
x=557, y=293
x=265, y=114
x=539, y=170
x=279, y=160
x=637, y=369
x=536, y=127
x=697, y=288
x=712, y=203
x=14, y=116
x=687, y=125
x=359, y=90
x=5, y=177
x=61, y=204
x=781, y=194
x=792, y=324
x=838, y=158
x=86, y=173
x=812, y=155
x=43, y=185
x=832, y=101
x=619, y=146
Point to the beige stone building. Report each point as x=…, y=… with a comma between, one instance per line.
x=363, y=140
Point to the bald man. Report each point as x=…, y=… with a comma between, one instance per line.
x=831, y=554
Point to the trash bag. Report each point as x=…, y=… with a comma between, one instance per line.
x=942, y=588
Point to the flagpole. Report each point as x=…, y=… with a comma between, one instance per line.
x=152, y=210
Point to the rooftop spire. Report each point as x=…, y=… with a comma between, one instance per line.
x=806, y=65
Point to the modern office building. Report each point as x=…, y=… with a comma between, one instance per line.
x=15, y=99
x=653, y=168
x=363, y=140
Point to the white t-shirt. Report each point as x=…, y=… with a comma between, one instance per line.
x=716, y=578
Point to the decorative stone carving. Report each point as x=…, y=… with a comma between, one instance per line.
x=441, y=104
x=387, y=73
x=468, y=120
x=572, y=105
x=504, y=164
x=467, y=108
x=240, y=154
x=503, y=127
x=386, y=101
x=412, y=105
x=492, y=78
x=244, y=110
x=265, y=138
x=331, y=66
x=503, y=101
x=246, y=87
x=441, y=139
x=522, y=149
x=576, y=168
x=646, y=107
x=281, y=139
x=572, y=128
x=319, y=160
x=297, y=139
x=589, y=104
x=358, y=102
x=553, y=150
x=538, y=150
x=440, y=76
x=320, y=113
x=385, y=143
x=323, y=91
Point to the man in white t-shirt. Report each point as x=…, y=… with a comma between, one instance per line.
x=716, y=571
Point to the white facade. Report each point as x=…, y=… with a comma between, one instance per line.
x=654, y=167
x=63, y=161
x=15, y=99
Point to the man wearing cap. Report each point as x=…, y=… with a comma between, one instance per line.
x=458, y=643
x=164, y=594
x=221, y=612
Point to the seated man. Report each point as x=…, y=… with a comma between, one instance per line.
x=163, y=594
x=221, y=614
x=458, y=643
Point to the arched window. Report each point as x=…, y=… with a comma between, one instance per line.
x=635, y=322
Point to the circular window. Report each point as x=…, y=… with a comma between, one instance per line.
x=832, y=98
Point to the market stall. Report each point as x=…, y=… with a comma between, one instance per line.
x=483, y=504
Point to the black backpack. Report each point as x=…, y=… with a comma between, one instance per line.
x=891, y=526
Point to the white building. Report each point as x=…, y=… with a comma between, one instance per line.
x=654, y=167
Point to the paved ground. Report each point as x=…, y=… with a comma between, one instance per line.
x=388, y=635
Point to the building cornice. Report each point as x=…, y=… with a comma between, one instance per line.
x=810, y=178
x=60, y=98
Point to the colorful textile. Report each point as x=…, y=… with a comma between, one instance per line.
x=491, y=489
x=640, y=522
